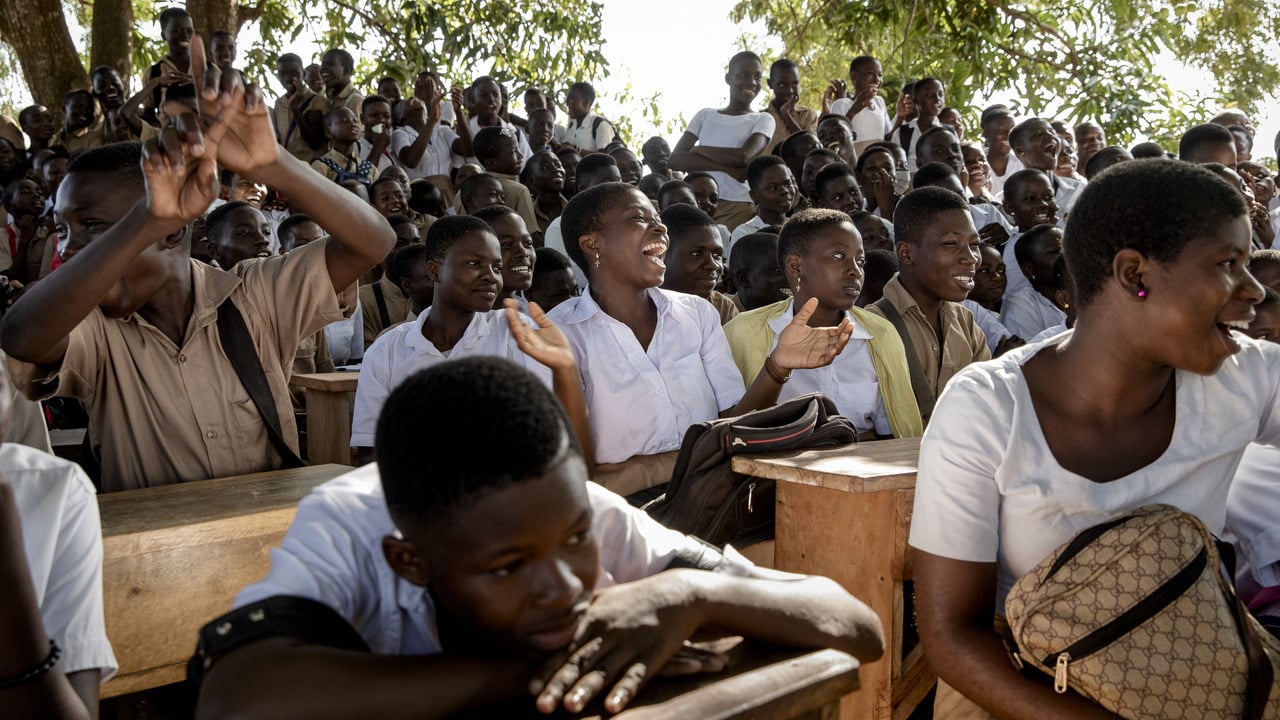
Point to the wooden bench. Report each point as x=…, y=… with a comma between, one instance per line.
x=845, y=513
x=330, y=403
x=174, y=558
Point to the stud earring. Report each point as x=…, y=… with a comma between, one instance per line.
x=1142, y=294
x=597, y=259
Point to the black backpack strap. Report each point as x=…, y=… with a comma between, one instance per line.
x=904, y=136
x=382, y=306
x=238, y=345
x=919, y=383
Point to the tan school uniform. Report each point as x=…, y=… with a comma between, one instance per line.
x=397, y=308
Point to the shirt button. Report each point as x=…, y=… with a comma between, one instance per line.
x=182, y=358
x=211, y=434
x=935, y=348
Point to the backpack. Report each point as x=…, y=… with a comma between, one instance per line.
x=708, y=500
x=1136, y=615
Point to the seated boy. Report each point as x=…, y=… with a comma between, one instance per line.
x=1037, y=145
x=756, y=274
x=1030, y=310
x=585, y=130
x=937, y=248
x=695, y=257
x=773, y=190
x=499, y=153
x=474, y=586
x=236, y=232
x=1208, y=143
x=130, y=324
x=866, y=110
x=340, y=163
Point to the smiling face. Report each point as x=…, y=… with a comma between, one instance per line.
x=942, y=264
x=388, y=198
x=657, y=155
x=1044, y=251
x=1266, y=323
x=990, y=281
x=867, y=77
x=374, y=114
x=314, y=79
x=547, y=173
x=835, y=134
x=841, y=193
x=38, y=123
x=831, y=269
x=707, y=194
x=744, y=78
x=223, y=50
x=243, y=234
x=776, y=192
x=695, y=262
x=506, y=156
x=178, y=33
x=629, y=167
x=996, y=133
x=518, y=256
x=108, y=88
x=246, y=190
x=979, y=170
x=488, y=100
x=1039, y=146
x=483, y=193
x=1090, y=138
x=469, y=277
x=929, y=98
x=79, y=110
x=631, y=241
x=943, y=147
x=1031, y=202
x=333, y=72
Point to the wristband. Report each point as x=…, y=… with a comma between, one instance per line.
x=775, y=372
x=45, y=666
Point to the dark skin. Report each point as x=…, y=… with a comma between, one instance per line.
x=422, y=113
x=310, y=121
x=877, y=182
x=245, y=234
x=518, y=256
x=694, y=261
x=1031, y=202
x=774, y=195
x=996, y=133
x=762, y=281
x=1039, y=270
x=743, y=80
x=483, y=194
x=785, y=84
x=1106, y=402
x=940, y=266
x=138, y=262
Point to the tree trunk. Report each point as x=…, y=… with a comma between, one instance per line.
x=37, y=32
x=111, y=37
x=210, y=15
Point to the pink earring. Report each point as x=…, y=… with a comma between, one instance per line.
x=1142, y=294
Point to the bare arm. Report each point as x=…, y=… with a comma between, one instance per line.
x=133, y=105
x=725, y=159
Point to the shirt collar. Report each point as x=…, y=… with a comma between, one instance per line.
x=479, y=328
x=898, y=295
x=780, y=321
x=585, y=306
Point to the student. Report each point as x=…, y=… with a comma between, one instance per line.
x=585, y=130
x=879, y=269
x=516, y=248
x=1090, y=139
x=39, y=125
x=489, y=102
x=695, y=257
x=648, y=379
x=1061, y=292
x=795, y=148
x=480, y=191
x=498, y=150
x=341, y=164
x=569, y=159
x=656, y=154
x=990, y=221
x=1208, y=143
x=583, y=556
x=975, y=161
x=939, y=144
x=311, y=75
x=937, y=248
x=128, y=323
x=836, y=134
x=756, y=273
x=1264, y=265
x=1067, y=159
x=82, y=129
x=465, y=267
x=237, y=232
x=298, y=114
x=595, y=169
x=1037, y=146
x=1152, y=398
x=876, y=168
x=773, y=190
x=996, y=126
x=866, y=110
x=629, y=167
x=374, y=145
x=675, y=192
x=814, y=163
x=928, y=97
x=950, y=117
x=389, y=88
x=170, y=79
x=553, y=281
x=27, y=245
x=990, y=280
x=876, y=232
x=545, y=177
x=56, y=652
x=1029, y=200
x=706, y=191
x=1244, y=143
x=723, y=142
x=387, y=196
x=1030, y=310
x=542, y=130
x=836, y=188
x=1105, y=158
x=222, y=52
x=336, y=67
x=425, y=145
x=789, y=116
x=822, y=255
x=904, y=108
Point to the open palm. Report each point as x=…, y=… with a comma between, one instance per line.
x=800, y=346
x=546, y=344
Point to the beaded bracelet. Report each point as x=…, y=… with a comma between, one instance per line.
x=45, y=666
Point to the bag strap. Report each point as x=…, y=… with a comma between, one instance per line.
x=238, y=345
x=919, y=383
x=1261, y=673
x=904, y=136
x=382, y=306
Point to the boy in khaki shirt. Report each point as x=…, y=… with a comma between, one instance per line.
x=128, y=324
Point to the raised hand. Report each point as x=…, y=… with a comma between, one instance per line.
x=547, y=344
x=236, y=116
x=801, y=346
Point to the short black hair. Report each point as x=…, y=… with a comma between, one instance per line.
x=77, y=91
x=993, y=113
x=653, y=182
x=371, y=99
x=916, y=85
x=582, y=215
x=381, y=180
x=1264, y=258
x=931, y=173
x=217, y=217
x=1200, y=136
x=700, y=175
x=222, y=33
x=1104, y=158
x=288, y=58
x=1145, y=150
x=830, y=173
x=1024, y=246
x=344, y=57
x=1020, y=131
x=551, y=260
x=288, y=224
x=872, y=150
x=431, y=459
x=843, y=120
x=742, y=57
x=879, y=267
x=493, y=212
x=751, y=247
x=468, y=186
x=787, y=148
x=585, y=89
x=827, y=153
x=801, y=229
x=672, y=186
x=916, y=211
x=1013, y=184
x=859, y=61
x=444, y=232
x=170, y=14
x=936, y=129
x=1238, y=132
x=782, y=64
x=422, y=194
x=400, y=262
x=652, y=142
x=757, y=167
x=122, y=161
x=485, y=143
x=1156, y=207
x=591, y=164
x=682, y=218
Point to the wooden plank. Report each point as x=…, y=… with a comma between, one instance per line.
x=329, y=382
x=857, y=468
x=329, y=426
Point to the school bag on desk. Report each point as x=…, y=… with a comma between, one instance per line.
x=1136, y=615
x=708, y=500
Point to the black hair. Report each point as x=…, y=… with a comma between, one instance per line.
x=592, y=163
x=396, y=221
x=1260, y=258
x=830, y=173
x=1147, y=150
x=469, y=185
x=801, y=229
x=859, y=62
x=908, y=88
x=1014, y=182
x=931, y=173
x=872, y=150
x=382, y=180
x=753, y=246
x=78, y=91
x=654, y=182
x=388, y=78
x=551, y=260
x=1024, y=246
x=444, y=232
x=493, y=212
x=993, y=113
x=700, y=175
x=1104, y=158
x=422, y=193
x=217, y=217
x=651, y=142
x=10, y=191
x=583, y=215
x=344, y=57
x=288, y=224
x=782, y=64
x=682, y=218
x=332, y=113
x=879, y=267
x=25, y=113
x=1195, y=139
x=584, y=89
x=787, y=148
x=221, y=33
x=371, y=99
x=289, y=58
x=485, y=143
x=122, y=161
x=916, y=85
x=935, y=130
x=400, y=262
x=916, y=210
x=672, y=186
x=490, y=392
x=1156, y=207
x=170, y=14
x=757, y=167
x=831, y=155
x=1023, y=129
x=1238, y=131
x=843, y=120
x=742, y=57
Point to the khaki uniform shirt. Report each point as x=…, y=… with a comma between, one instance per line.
x=519, y=199
x=398, y=309
x=161, y=413
x=82, y=139
x=962, y=340
x=288, y=134
x=348, y=97
x=726, y=305
x=806, y=118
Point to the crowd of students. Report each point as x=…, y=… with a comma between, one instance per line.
x=530, y=310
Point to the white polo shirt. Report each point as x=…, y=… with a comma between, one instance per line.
x=62, y=536
x=642, y=401
x=403, y=350
x=439, y=157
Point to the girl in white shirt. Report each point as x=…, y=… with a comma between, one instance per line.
x=1152, y=398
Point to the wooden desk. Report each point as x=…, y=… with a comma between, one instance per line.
x=330, y=403
x=761, y=683
x=845, y=513
x=174, y=558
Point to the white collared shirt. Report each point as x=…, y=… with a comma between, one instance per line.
x=850, y=380
x=641, y=402
x=439, y=157
x=332, y=554
x=1027, y=313
x=586, y=136
x=522, y=140
x=383, y=161
x=403, y=350
x=990, y=323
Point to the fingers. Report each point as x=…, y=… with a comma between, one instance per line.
x=205, y=79
x=535, y=312
x=188, y=133
x=805, y=312
x=626, y=688
x=587, y=687
x=566, y=677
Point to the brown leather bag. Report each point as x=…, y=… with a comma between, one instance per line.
x=707, y=499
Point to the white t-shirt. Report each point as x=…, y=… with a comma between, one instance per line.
x=587, y=135
x=997, y=181
x=642, y=401
x=385, y=161
x=62, y=536
x=743, y=230
x=715, y=129
x=870, y=124
x=439, y=157
x=403, y=350
x=332, y=554
x=990, y=490
x=1027, y=313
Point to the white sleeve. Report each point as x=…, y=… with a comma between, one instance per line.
x=1018, y=317
x=1251, y=512
x=841, y=106
x=957, y=503
x=632, y=544
x=717, y=358
x=605, y=134
x=764, y=124
x=402, y=138
x=372, y=390
x=695, y=125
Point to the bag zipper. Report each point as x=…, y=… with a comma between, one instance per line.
x=1144, y=610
